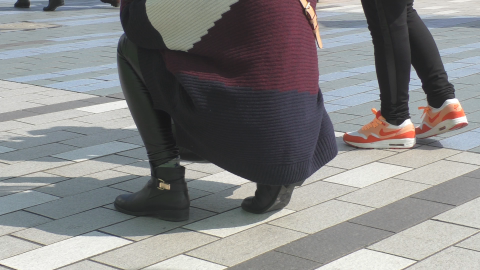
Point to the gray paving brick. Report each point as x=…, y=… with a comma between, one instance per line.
x=138, y=153
x=154, y=249
x=8, y=116
x=334, y=242
x=23, y=142
x=70, y=205
x=358, y=158
x=401, y=215
x=467, y=214
x=226, y=199
x=28, y=182
x=452, y=258
x=182, y=262
x=86, y=265
x=11, y=246
x=472, y=243
x=474, y=174
x=454, y=192
x=35, y=152
x=322, y=173
x=437, y=172
x=64, y=228
x=420, y=156
x=316, y=193
x=466, y=157
x=365, y=259
x=58, y=107
x=245, y=245
x=275, y=260
x=18, y=221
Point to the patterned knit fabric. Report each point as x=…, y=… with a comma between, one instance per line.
x=240, y=80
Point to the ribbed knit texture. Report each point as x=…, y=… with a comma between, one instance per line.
x=244, y=96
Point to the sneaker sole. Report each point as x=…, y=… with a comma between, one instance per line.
x=168, y=215
x=445, y=126
x=395, y=144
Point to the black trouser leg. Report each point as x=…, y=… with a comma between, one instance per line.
x=427, y=61
x=154, y=126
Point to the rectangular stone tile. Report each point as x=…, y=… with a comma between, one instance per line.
x=401, y=215
x=154, y=249
x=366, y=175
x=192, y=175
x=138, y=153
x=35, y=152
x=455, y=192
x=383, y=193
x=141, y=168
x=82, y=265
x=467, y=214
x=474, y=174
x=420, y=156
x=70, y=205
x=217, y=182
x=463, y=141
x=18, y=201
x=139, y=228
x=226, y=199
x=98, y=118
x=273, y=260
x=365, y=259
x=18, y=221
x=68, y=227
x=5, y=150
x=26, y=182
x=85, y=183
x=92, y=166
x=466, y=157
x=452, y=258
x=100, y=138
x=322, y=173
x=205, y=167
x=182, y=262
x=11, y=246
x=471, y=243
x=320, y=217
x=53, y=117
x=23, y=142
x=11, y=125
x=245, y=245
x=96, y=151
x=316, y=193
x=333, y=243
x=65, y=252
x=357, y=158
x=423, y=240
x=234, y=221
x=100, y=108
x=69, y=105
x=437, y=172
x=13, y=115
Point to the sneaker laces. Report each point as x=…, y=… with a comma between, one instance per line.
x=426, y=110
x=375, y=122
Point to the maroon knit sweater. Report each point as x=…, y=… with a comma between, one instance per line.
x=242, y=88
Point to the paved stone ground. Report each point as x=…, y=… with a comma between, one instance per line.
x=68, y=147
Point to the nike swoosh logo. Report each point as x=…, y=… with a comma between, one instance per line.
x=382, y=133
x=434, y=118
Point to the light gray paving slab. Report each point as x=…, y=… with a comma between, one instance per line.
x=11, y=246
x=383, y=193
x=65, y=252
x=97, y=118
x=437, y=172
x=226, y=199
x=27, y=182
x=356, y=158
x=53, y=117
x=452, y=258
x=141, y=168
x=85, y=183
x=234, y=221
x=18, y=201
x=22, y=142
x=70, y=205
x=182, y=262
x=139, y=228
x=91, y=166
x=11, y=125
x=365, y=259
x=466, y=157
x=138, y=153
x=104, y=137
x=245, y=245
x=467, y=214
x=320, y=217
x=31, y=166
x=367, y=174
x=100, y=108
x=96, y=151
x=68, y=227
x=316, y=193
x=217, y=182
x=322, y=173
x=82, y=265
x=192, y=175
x=471, y=243
x=35, y=152
x=420, y=156
x=6, y=149
x=20, y=220
x=423, y=240
x=205, y=167
x=154, y=249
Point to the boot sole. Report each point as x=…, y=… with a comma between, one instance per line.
x=168, y=215
x=282, y=200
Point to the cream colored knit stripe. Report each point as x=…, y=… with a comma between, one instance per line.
x=183, y=23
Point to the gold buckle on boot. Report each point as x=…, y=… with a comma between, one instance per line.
x=162, y=185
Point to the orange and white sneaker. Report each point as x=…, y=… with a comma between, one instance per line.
x=437, y=121
x=380, y=134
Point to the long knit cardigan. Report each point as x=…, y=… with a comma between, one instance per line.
x=240, y=80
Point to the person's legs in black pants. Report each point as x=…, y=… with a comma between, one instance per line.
x=166, y=193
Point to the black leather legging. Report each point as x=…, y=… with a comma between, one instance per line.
x=154, y=126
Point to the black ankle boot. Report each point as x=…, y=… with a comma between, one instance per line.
x=22, y=4
x=114, y=3
x=165, y=195
x=268, y=198
x=53, y=4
